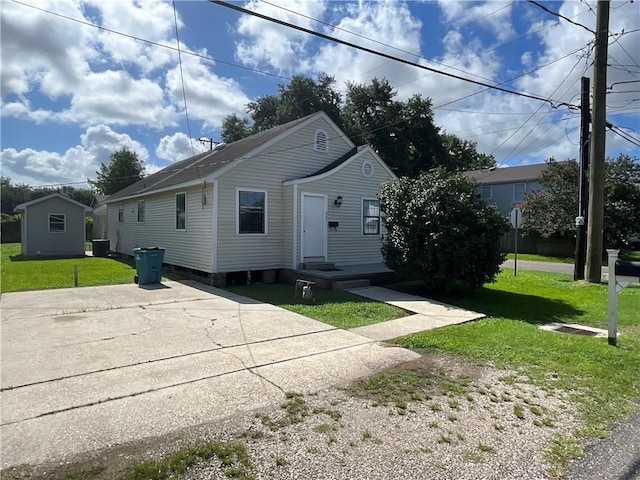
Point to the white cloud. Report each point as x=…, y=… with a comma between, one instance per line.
x=274, y=45
x=177, y=147
x=209, y=97
x=74, y=165
x=492, y=15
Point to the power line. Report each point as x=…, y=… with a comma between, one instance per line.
x=555, y=104
x=184, y=92
x=560, y=16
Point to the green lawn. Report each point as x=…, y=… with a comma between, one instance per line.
x=630, y=255
x=19, y=273
x=338, y=308
x=603, y=380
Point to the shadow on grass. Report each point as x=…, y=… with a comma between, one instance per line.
x=496, y=303
x=281, y=294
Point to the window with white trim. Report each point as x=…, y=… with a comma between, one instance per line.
x=181, y=211
x=370, y=216
x=141, y=211
x=121, y=213
x=321, y=141
x=519, y=190
x=57, y=223
x=252, y=211
x=485, y=192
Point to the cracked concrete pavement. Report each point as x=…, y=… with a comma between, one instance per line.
x=88, y=368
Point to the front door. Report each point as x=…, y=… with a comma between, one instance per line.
x=314, y=233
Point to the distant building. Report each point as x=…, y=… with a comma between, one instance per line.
x=506, y=187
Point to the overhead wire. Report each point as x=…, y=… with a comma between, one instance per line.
x=539, y=5
x=384, y=55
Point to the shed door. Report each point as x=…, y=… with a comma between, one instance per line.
x=314, y=232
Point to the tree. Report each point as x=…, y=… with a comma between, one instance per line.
x=234, y=128
x=125, y=168
x=439, y=229
x=551, y=212
x=463, y=154
x=13, y=195
x=403, y=133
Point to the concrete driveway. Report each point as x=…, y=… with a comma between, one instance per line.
x=88, y=368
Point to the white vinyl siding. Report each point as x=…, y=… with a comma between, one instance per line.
x=191, y=248
x=346, y=243
x=292, y=157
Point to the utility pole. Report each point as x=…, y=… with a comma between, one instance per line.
x=595, y=223
x=583, y=179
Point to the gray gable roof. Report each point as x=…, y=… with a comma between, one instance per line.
x=23, y=206
x=201, y=165
x=522, y=173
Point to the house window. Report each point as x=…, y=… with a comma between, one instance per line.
x=57, y=223
x=181, y=211
x=370, y=216
x=141, y=211
x=252, y=211
x=321, y=141
x=485, y=192
x=518, y=192
x=121, y=213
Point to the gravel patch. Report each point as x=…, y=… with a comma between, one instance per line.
x=491, y=426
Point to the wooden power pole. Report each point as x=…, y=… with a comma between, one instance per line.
x=583, y=180
x=595, y=222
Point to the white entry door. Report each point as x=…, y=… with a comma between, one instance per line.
x=314, y=232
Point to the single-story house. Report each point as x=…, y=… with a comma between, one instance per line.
x=53, y=226
x=505, y=187
x=296, y=195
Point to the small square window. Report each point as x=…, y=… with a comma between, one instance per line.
x=57, y=223
x=181, y=211
x=485, y=192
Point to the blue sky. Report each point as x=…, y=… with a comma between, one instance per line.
x=72, y=93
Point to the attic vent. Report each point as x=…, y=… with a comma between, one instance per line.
x=321, y=141
x=367, y=168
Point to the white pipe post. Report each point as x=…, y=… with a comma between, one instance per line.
x=612, y=308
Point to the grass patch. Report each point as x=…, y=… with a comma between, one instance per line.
x=631, y=255
x=601, y=380
x=233, y=458
x=338, y=308
x=21, y=273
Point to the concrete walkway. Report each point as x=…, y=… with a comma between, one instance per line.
x=429, y=314
x=89, y=368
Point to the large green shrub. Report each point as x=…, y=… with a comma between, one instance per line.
x=439, y=230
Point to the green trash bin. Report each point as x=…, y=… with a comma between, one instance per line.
x=148, y=265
